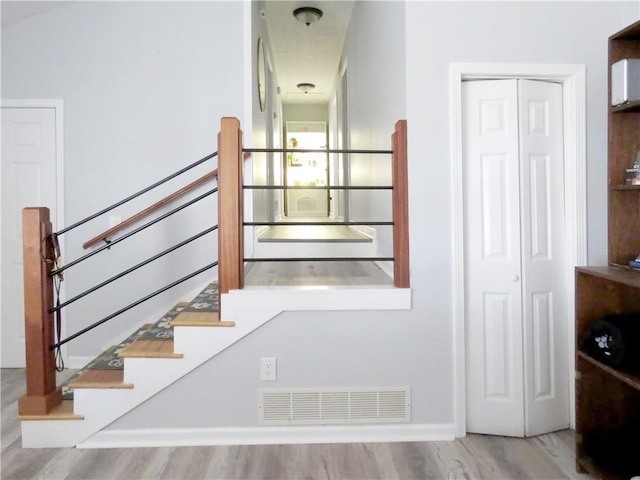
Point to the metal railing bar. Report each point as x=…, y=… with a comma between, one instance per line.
x=295, y=224
x=312, y=150
x=328, y=187
x=133, y=232
x=320, y=259
x=137, y=194
x=134, y=268
x=134, y=304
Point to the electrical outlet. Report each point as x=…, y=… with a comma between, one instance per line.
x=268, y=368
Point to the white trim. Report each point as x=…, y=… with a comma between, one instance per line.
x=165, y=437
x=574, y=97
x=58, y=106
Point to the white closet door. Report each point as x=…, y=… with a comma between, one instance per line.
x=516, y=362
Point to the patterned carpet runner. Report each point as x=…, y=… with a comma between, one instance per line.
x=206, y=301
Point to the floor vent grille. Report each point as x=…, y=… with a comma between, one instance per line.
x=305, y=406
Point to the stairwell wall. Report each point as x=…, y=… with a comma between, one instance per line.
x=144, y=85
x=415, y=348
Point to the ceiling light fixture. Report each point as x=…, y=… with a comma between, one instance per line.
x=306, y=87
x=307, y=15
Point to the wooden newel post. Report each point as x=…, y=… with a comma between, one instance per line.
x=400, y=206
x=42, y=394
x=230, y=212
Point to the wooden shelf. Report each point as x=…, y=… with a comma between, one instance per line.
x=630, y=107
x=619, y=274
x=625, y=187
x=632, y=380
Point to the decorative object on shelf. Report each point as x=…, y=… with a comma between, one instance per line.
x=625, y=81
x=615, y=341
x=306, y=87
x=262, y=75
x=633, y=172
x=307, y=15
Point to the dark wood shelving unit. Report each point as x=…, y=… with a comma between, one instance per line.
x=608, y=400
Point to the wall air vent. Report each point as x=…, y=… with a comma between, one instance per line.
x=333, y=406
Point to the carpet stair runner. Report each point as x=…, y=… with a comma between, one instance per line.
x=152, y=340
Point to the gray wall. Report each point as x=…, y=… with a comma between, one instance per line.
x=144, y=86
x=412, y=348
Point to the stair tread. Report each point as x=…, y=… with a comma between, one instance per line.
x=200, y=319
x=100, y=379
x=64, y=411
x=150, y=349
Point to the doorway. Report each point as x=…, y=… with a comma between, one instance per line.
x=517, y=375
x=572, y=78
x=31, y=176
x=306, y=169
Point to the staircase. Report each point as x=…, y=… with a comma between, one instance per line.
x=97, y=397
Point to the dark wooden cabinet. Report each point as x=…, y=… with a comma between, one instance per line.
x=624, y=144
x=608, y=400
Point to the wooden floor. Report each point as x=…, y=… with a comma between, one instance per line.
x=473, y=457
x=335, y=273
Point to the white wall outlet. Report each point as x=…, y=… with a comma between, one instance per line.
x=268, y=368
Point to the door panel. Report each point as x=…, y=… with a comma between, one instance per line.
x=28, y=179
x=493, y=303
x=546, y=324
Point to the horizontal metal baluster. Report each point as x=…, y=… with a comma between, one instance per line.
x=130, y=306
x=134, y=268
x=135, y=195
x=139, y=229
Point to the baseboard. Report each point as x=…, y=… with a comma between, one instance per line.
x=191, y=437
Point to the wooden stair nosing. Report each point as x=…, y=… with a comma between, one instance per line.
x=64, y=411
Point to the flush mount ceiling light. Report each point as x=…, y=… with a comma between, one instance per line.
x=306, y=87
x=307, y=15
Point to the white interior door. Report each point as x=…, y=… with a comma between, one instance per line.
x=29, y=174
x=307, y=170
x=517, y=378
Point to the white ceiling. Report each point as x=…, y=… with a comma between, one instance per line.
x=302, y=54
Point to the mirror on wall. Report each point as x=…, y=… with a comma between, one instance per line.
x=262, y=75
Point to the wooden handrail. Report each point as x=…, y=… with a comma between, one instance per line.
x=149, y=210
x=400, y=206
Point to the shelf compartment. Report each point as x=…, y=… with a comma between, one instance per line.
x=608, y=420
x=630, y=379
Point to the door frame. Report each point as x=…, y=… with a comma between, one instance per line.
x=58, y=106
x=572, y=78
